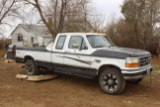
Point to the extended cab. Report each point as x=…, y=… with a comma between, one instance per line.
x=89, y=55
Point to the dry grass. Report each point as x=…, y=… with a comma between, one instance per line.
x=156, y=63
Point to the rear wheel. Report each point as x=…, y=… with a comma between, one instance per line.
x=111, y=81
x=31, y=67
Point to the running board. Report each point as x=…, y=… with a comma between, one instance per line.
x=71, y=74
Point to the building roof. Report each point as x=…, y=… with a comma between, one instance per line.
x=37, y=30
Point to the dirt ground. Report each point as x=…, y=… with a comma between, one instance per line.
x=67, y=91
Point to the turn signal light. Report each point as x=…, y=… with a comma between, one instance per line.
x=132, y=65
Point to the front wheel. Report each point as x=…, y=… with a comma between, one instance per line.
x=31, y=67
x=111, y=81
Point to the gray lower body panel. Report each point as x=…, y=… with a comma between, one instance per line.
x=136, y=74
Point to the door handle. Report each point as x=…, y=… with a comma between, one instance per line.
x=67, y=52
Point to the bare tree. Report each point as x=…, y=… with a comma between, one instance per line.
x=57, y=27
x=143, y=15
x=75, y=11
x=139, y=29
x=61, y=11
x=98, y=23
x=7, y=10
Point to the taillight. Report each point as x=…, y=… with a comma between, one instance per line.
x=14, y=52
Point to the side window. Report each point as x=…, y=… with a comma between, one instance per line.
x=32, y=39
x=60, y=42
x=79, y=41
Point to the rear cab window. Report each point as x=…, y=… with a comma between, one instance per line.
x=60, y=42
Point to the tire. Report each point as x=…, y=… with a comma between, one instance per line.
x=31, y=67
x=111, y=81
x=135, y=81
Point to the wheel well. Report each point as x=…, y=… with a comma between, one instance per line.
x=27, y=57
x=101, y=69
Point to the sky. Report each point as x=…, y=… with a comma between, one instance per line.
x=109, y=8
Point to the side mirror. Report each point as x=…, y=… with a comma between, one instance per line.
x=75, y=46
x=85, y=48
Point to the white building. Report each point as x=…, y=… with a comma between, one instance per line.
x=30, y=35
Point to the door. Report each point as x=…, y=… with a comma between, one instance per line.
x=57, y=54
x=77, y=61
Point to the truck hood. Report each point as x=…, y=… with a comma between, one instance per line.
x=122, y=53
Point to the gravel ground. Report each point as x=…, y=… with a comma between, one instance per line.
x=68, y=91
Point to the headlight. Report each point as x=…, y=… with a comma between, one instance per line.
x=132, y=62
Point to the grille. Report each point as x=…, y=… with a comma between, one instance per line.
x=145, y=61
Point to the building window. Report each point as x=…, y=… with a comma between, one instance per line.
x=32, y=39
x=20, y=37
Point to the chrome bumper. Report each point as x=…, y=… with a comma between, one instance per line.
x=136, y=74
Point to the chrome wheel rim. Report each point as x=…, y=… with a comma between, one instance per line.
x=29, y=68
x=110, y=82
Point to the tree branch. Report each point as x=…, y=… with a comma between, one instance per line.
x=3, y=5
x=7, y=11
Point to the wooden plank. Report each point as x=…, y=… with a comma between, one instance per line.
x=35, y=78
x=41, y=77
x=21, y=76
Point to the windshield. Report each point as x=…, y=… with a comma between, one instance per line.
x=98, y=41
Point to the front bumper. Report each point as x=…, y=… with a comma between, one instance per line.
x=137, y=73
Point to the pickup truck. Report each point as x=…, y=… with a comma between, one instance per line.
x=89, y=55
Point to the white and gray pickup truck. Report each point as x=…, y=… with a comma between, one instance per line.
x=89, y=55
